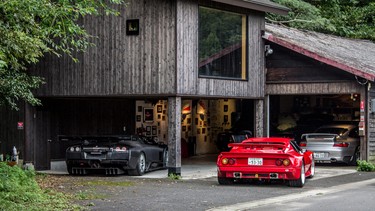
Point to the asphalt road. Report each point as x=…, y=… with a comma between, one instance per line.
x=206, y=194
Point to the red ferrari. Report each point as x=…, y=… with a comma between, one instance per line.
x=266, y=159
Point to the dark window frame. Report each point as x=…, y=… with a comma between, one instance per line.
x=243, y=72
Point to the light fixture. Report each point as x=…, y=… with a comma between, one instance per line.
x=268, y=50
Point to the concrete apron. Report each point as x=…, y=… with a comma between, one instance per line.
x=204, y=166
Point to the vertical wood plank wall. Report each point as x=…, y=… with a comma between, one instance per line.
x=120, y=65
x=161, y=60
x=371, y=127
x=188, y=82
x=9, y=134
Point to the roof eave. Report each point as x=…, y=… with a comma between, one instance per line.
x=318, y=57
x=257, y=5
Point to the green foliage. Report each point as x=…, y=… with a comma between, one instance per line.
x=88, y=195
x=20, y=191
x=31, y=28
x=302, y=15
x=174, y=176
x=365, y=166
x=346, y=18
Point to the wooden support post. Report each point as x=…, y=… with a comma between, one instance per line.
x=259, y=118
x=174, y=135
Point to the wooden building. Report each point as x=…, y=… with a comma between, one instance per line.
x=149, y=54
x=320, y=74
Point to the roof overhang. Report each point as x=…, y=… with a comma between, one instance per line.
x=264, y=6
x=313, y=55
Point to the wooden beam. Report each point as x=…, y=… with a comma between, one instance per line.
x=174, y=135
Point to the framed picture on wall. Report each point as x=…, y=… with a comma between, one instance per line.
x=138, y=118
x=154, y=130
x=148, y=114
x=139, y=108
x=159, y=108
x=225, y=108
x=132, y=27
x=225, y=118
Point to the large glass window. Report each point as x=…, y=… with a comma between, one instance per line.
x=222, y=44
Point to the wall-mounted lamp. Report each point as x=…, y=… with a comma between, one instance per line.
x=268, y=50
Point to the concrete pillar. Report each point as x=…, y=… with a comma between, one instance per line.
x=174, y=135
x=259, y=118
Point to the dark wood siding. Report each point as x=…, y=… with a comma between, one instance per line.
x=9, y=134
x=118, y=64
x=371, y=127
x=286, y=66
x=291, y=73
x=161, y=60
x=87, y=117
x=188, y=82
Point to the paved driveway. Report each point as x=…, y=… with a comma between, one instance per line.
x=198, y=189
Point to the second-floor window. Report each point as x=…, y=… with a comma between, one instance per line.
x=222, y=44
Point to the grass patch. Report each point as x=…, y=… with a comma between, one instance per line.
x=88, y=195
x=20, y=191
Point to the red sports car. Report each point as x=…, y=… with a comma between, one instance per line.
x=266, y=159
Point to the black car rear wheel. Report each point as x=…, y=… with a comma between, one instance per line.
x=70, y=169
x=140, y=169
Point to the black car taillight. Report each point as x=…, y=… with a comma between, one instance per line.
x=119, y=149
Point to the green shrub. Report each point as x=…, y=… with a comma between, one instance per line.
x=20, y=191
x=365, y=166
x=174, y=176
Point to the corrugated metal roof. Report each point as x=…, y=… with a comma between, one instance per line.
x=260, y=5
x=352, y=55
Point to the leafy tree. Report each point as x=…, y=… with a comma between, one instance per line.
x=346, y=18
x=31, y=28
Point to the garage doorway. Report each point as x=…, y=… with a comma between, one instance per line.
x=293, y=115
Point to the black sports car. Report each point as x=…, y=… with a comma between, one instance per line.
x=114, y=155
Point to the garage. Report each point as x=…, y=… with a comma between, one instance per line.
x=313, y=79
x=202, y=122
x=294, y=115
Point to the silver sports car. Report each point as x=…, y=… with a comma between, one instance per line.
x=333, y=143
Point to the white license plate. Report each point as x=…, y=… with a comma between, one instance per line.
x=318, y=154
x=255, y=161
